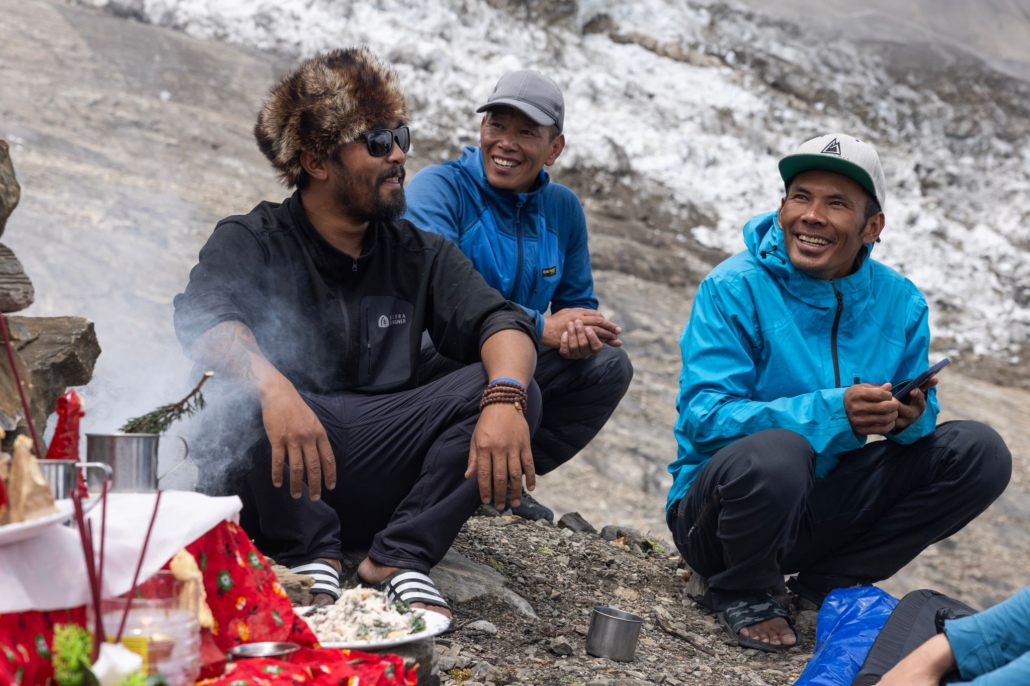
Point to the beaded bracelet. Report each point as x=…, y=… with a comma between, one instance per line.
x=507, y=393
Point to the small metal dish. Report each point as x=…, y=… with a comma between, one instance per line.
x=265, y=649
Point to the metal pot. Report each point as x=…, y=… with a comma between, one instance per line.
x=62, y=474
x=132, y=458
x=613, y=633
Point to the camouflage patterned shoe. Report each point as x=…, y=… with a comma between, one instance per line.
x=754, y=609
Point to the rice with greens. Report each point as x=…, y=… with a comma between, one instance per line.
x=364, y=614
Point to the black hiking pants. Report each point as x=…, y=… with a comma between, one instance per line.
x=755, y=513
x=401, y=491
x=578, y=397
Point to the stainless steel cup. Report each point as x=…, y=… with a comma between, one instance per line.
x=62, y=476
x=613, y=633
x=132, y=458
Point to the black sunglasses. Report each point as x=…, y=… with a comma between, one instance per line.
x=380, y=141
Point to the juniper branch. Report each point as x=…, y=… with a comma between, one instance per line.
x=158, y=421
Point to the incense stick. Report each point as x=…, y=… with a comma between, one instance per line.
x=139, y=566
x=86, y=538
x=97, y=596
x=17, y=382
x=103, y=537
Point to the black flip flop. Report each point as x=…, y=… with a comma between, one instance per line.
x=751, y=610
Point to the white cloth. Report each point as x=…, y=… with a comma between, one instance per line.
x=48, y=571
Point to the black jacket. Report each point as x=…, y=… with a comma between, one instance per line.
x=330, y=322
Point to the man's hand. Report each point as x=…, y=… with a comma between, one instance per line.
x=556, y=331
x=295, y=433
x=579, y=342
x=911, y=411
x=500, y=455
x=871, y=409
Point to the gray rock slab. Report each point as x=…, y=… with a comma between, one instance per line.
x=461, y=580
x=483, y=671
x=16, y=291
x=10, y=191
x=575, y=522
x=562, y=646
x=59, y=352
x=482, y=626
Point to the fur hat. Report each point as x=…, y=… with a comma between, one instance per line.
x=325, y=102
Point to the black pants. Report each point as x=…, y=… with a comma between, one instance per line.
x=578, y=396
x=400, y=484
x=755, y=512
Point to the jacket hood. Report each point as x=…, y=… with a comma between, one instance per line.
x=471, y=162
x=765, y=241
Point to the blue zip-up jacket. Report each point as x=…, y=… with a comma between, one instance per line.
x=532, y=247
x=992, y=648
x=769, y=347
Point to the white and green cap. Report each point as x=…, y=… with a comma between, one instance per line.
x=841, y=153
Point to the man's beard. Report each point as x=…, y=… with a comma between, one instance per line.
x=363, y=200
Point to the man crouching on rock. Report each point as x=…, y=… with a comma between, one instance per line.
x=788, y=364
x=317, y=305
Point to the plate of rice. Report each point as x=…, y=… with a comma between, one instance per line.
x=364, y=618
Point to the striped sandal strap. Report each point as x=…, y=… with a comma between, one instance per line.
x=412, y=587
x=327, y=579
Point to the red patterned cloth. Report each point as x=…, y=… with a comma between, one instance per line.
x=248, y=604
x=26, y=639
x=245, y=597
x=312, y=667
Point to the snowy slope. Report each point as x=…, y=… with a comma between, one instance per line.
x=696, y=103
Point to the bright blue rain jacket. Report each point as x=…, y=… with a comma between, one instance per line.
x=768, y=347
x=992, y=648
x=532, y=247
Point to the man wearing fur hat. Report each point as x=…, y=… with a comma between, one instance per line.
x=316, y=307
x=527, y=236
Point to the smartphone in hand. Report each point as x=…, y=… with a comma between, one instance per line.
x=902, y=391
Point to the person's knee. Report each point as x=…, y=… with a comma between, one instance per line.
x=610, y=370
x=988, y=458
x=776, y=464
x=618, y=368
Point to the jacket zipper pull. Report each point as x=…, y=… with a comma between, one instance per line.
x=354, y=264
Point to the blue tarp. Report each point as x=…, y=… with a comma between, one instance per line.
x=849, y=622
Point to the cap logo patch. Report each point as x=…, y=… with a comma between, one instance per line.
x=832, y=148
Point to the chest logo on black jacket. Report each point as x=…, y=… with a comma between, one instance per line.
x=392, y=320
x=386, y=337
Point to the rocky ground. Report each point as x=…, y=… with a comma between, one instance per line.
x=563, y=575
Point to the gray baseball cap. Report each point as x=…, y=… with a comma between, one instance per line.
x=841, y=153
x=531, y=93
